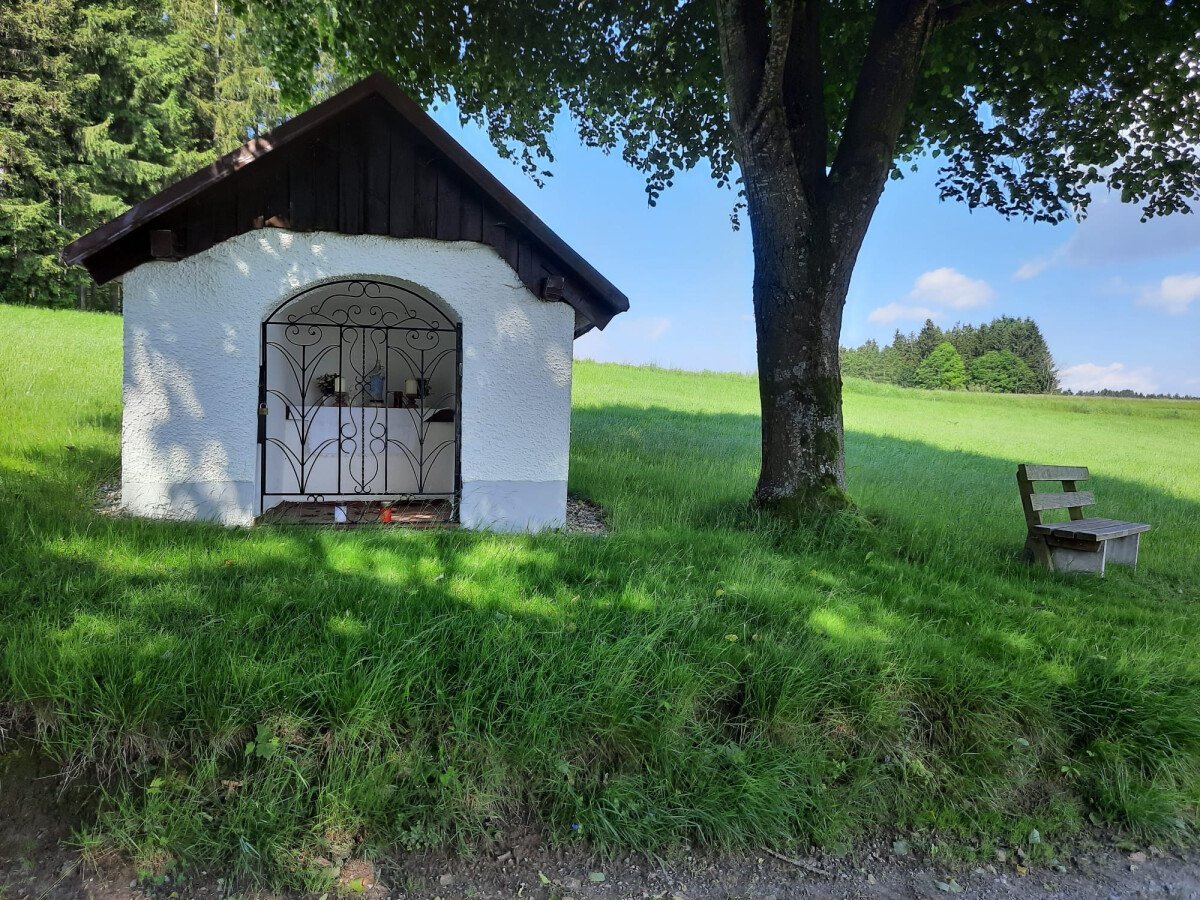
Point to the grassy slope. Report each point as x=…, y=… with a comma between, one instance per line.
x=286, y=694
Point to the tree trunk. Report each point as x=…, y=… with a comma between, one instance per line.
x=808, y=216
x=798, y=300
x=798, y=319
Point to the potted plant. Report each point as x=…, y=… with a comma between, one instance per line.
x=330, y=385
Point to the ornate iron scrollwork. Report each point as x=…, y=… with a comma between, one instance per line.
x=358, y=347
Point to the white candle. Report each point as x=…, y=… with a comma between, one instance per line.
x=410, y=387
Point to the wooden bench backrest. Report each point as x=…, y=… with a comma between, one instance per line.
x=1069, y=498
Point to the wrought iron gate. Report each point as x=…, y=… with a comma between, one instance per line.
x=360, y=385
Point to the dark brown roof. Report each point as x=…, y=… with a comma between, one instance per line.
x=366, y=161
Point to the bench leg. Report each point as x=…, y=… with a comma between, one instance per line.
x=1037, y=552
x=1072, y=559
x=1123, y=551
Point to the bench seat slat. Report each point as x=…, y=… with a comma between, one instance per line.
x=1054, y=473
x=1093, y=529
x=1061, y=500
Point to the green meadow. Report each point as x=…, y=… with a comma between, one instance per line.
x=273, y=699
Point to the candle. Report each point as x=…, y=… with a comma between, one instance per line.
x=410, y=386
x=337, y=384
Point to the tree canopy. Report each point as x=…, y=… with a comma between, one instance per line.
x=942, y=369
x=1025, y=105
x=1002, y=372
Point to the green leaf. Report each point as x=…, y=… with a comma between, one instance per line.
x=265, y=744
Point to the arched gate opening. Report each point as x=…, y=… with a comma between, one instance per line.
x=360, y=393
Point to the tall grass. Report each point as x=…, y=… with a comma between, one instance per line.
x=275, y=699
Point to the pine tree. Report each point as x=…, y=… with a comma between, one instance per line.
x=1024, y=338
x=901, y=359
x=150, y=91
x=229, y=87
x=1023, y=363
x=927, y=340
x=866, y=361
x=965, y=339
x=39, y=97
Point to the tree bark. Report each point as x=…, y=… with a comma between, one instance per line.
x=798, y=300
x=808, y=219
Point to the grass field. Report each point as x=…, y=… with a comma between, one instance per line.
x=266, y=700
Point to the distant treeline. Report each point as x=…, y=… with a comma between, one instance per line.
x=1005, y=356
x=1128, y=394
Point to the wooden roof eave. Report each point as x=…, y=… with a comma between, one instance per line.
x=86, y=248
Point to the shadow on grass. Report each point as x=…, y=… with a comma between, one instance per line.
x=661, y=468
x=699, y=674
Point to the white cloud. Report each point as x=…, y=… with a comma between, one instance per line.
x=1113, y=233
x=1114, y=376
x=932, y=294
x=1173, y=294
x=1035, y=267
x=898, y=312
x=950, y=288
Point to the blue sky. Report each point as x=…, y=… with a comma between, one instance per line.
x=1118, y=299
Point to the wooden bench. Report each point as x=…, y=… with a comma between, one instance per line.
x=1082, y=544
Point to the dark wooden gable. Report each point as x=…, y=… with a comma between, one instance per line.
x=368, y=161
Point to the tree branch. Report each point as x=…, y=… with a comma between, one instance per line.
x=780, y=34
x=775, y=80
x=964, y=10
x=804, y=97
x=742, y=26
x=895, y=50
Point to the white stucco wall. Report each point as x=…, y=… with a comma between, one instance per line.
x=192, y=333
